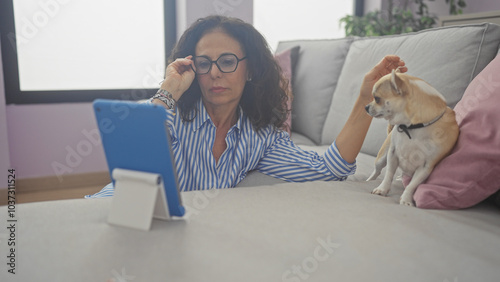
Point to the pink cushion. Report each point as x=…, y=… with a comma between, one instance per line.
x=286, y=59
x=471, y=173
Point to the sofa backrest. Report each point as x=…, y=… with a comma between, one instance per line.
x=448, y=58
x=315, y=77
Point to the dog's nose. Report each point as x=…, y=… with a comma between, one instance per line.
x=367, y=108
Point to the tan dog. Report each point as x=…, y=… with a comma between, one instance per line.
x=422, y=130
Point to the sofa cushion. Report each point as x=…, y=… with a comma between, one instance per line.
x=448, y=58
x=471, y=173
x=287, y=60
x=300, y=139
x=315, y=79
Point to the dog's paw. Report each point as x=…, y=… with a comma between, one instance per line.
x=380, y=191
x=406, y=202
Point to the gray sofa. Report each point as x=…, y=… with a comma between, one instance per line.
x=327, y=76
x=405, y=244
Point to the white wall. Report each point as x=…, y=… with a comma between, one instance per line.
x=188, y=11
x=293, y=23
x=372, y=5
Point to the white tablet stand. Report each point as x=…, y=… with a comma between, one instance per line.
x=138, y=197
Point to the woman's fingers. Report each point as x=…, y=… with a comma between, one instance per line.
x=389, y=63
x=403, y=68
x=181, y=65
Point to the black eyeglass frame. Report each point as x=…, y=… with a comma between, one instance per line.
x=238, y=60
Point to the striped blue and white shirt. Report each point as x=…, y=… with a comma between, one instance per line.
x=269, y=151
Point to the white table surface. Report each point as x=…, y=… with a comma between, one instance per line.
x=267, y=233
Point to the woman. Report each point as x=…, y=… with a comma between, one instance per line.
x=225, y=100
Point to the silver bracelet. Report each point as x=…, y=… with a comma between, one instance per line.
x=166, y=97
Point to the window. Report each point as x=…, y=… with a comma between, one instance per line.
x=80, y=50
x=280, y=20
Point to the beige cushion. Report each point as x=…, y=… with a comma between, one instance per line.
x=448, y=58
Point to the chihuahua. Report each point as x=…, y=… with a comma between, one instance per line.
x=422, y=130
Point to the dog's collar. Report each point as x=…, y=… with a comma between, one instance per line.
x=404, y=128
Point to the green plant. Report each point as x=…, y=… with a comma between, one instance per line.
x=456, y=6
x=395, y=19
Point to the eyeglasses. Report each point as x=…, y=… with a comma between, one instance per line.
x=226, y=63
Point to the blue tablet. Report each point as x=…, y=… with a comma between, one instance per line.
x=135, y=137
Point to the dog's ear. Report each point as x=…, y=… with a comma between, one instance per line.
x=397, y=84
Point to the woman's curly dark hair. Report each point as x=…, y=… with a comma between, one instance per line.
x=264, y=97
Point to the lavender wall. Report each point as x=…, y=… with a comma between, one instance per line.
x=440, y=8
x=476, y=6
x=4, y=144
x=54, y=139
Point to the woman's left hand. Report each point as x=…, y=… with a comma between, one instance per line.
x=384, y=67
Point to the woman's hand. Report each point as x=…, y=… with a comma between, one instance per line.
x=178, y=77
x=385, y=66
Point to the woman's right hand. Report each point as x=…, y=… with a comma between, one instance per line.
x=178, y=77
x=385, y=66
